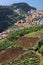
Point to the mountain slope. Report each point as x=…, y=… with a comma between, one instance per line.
x=10, y=14
x=23, y=6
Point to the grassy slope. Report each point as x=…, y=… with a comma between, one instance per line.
x=41, y=59
x=34, y=34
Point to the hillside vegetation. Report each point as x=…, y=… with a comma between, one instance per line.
x=9, y=53
x=34, y=34
x=13, y=37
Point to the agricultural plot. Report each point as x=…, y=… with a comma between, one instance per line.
x=27, y=42
x=28, y=58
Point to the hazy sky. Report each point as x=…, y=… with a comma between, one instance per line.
x=36, y=3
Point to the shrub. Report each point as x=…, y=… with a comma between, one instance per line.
x=18, y=47
x=41, y=50
x=5, y=44
x=40, y=43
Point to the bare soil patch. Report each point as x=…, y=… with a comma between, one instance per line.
x=27, y=42
x=10, y=54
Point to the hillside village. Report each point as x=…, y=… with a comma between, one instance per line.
x=4, y=34
x=33, y=17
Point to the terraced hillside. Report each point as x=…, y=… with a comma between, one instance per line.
x=19, y=50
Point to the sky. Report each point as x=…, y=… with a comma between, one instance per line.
x=35, y=3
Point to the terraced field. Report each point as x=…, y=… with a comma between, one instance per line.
x=10, y=54
x=27, y=42
x=29, y=58
x=19, y=57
